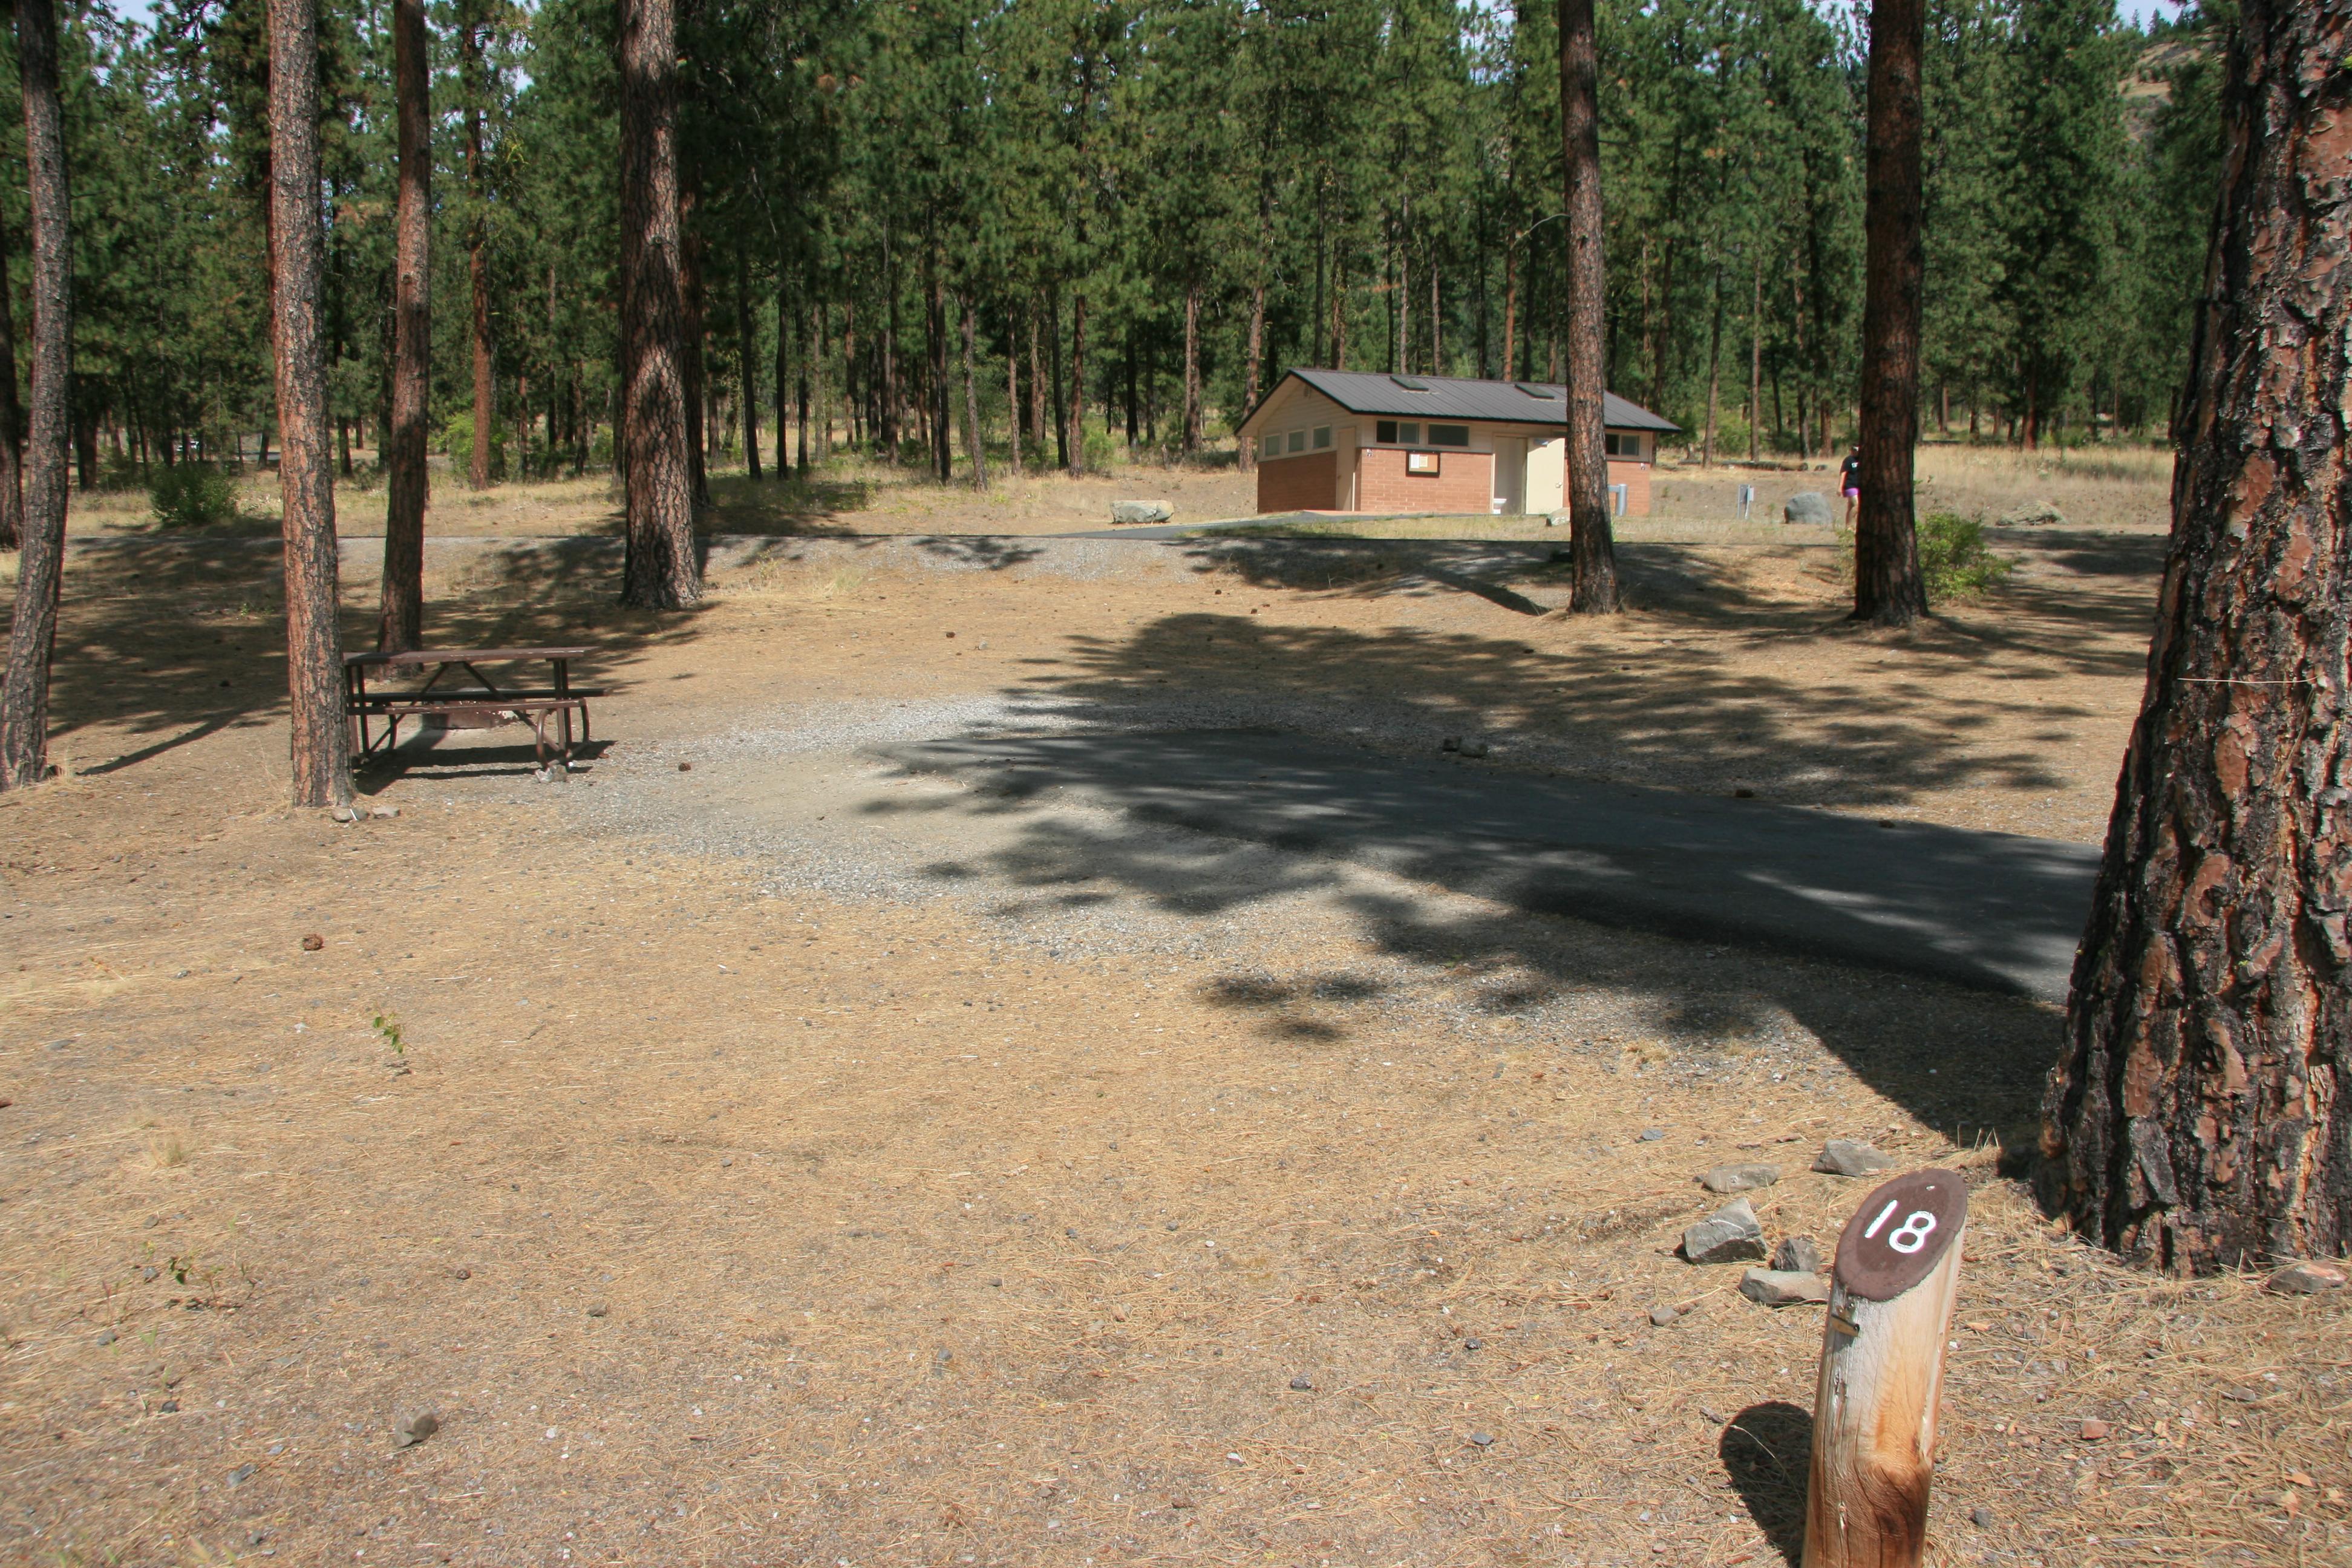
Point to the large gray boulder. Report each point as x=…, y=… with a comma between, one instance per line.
x=1140, y=512
x=1806, y=506
x=1732, y=1234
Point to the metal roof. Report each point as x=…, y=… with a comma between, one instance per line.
x=1455, y=397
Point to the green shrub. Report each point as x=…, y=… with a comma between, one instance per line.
x=191, y=495
x=1955, y=559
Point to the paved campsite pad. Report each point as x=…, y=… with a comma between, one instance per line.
x=906, y=1164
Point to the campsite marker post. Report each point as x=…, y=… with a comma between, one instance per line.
x=1897, y=1273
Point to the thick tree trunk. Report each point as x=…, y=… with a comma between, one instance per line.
x=2198, y=1119
x=661, y=571
x=314, y=643
x=478, y=260
x=40, y=568
x=1888, y=590
x=971, y=432
x=1193, y=371
x=747, y=370
x=12, y=483
x=1592, y=542
x=400, y=611
x=935, y=343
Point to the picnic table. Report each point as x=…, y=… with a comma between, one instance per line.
x=538, y=706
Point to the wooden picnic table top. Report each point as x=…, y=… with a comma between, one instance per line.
x=423, y=656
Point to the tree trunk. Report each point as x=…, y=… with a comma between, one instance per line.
x=661, y=571
x=1254, y=372
x=1012, y=392
x=971, y=435
x=937, y=404
x=314, y=643
x=1714, y=374
x=1510, y=309
x=477, y=261
x=1592, y=542
x=891, y=434
x=1061, y=399
x=1036, y=380
x=747, y=370
x=1191, y=438
x=2197, y=1119
x=12, y=483
x=1756, y=362
x=783, y=369
x=1888, y=590
x=33, y=634
x=692, y=303
x=1076, y=456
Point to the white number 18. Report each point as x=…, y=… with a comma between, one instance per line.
x=1907, y=1238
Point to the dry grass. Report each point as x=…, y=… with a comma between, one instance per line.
x=725, y=1226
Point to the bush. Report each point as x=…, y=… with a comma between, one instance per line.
x=1955, y=559
x=191, y=495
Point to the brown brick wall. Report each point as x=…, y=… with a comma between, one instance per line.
x=1304, y=483
x=1635, y=477
x=1464, y=482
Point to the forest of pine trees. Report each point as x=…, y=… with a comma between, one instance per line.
x=1113, y=222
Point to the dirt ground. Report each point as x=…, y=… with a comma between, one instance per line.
x=734, y=1194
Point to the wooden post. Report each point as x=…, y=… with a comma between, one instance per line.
x=1891, y=1295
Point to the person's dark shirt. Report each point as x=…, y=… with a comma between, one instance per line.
x=1850, y=475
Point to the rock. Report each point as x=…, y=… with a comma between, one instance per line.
x=2307, y=1279
x=1732, y=1234
x=1472, y=748
x=1783, y=1287
x=1556, y=519
x=461, y=1274
x=1851, y=1157
x=685, y=767
x=2037, y=515
x=169, y=1408
x=1806, y=506
x=1740, y=1178
x=106, y=1336
x=1302, y=1383
x=1708, y=1413
x=1474, y=1344
x=1981, y=1517
x=1797, y=1255
x=1662, y=1315
x=1481, y=1439
x=313, y=943
x=1124, y=511
x=242, y=1474
x=1652, y=1134
x=597, y=1309
x=414, y=1428
x=1450, y=743
x=2094, y=1429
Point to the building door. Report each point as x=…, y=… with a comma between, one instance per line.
x=1510, y=475
x=1344, y=500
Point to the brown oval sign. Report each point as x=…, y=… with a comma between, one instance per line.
x=1898, y=1234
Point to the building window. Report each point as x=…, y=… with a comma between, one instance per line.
x=1322, y=436
x=1449, y=435
x=1299, y=440
x=1421, y=462
x=1394, y=433
x=1628, y=446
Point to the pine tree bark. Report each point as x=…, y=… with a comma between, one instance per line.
x=692, y=302
x=1889, y=589
x=306, y=475
x=40, y=566
x=1013, y=393
x=477, y=262
x=399, y=615
x=2198, y=1120
x=661, y=573
x=11, y=479
x=1254, y=371
x=1075, y=438
x=1592, y=542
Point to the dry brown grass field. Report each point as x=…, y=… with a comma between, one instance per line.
x=758, y=1150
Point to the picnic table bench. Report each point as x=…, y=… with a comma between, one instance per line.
x=537, y=705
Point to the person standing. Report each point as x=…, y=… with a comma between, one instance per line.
x=1849, y=482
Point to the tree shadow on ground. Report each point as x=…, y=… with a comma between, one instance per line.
x=167, y=641
x=1767, y=1449
x=789, y=507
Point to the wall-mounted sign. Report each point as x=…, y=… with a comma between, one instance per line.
x=1421, y=462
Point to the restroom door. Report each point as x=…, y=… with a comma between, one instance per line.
x=1510, y=475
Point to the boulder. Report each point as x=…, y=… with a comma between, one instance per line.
x=2307, y=1279
x=1851, y=1157
x=1740, y=1178
x=1732, y=1234
x=1783, y=1287
x=1797, y=1255
x=1806, y=506
x=1123, y=511
x=2039, y=514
